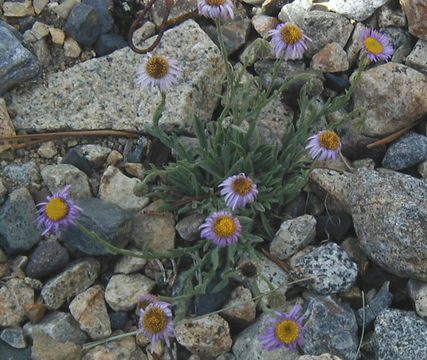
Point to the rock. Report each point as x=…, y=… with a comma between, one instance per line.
x=59, y=326
x=107, y=43
x=35, y=312
x=389, y=17
x=390, y=111
x=263, y=24
x=352, y=248
x=257, y=50
x=11, y=353
x=154, y=228
x=375, y=306
x=23, y=174
x=18, y=9
x=42, y=52
x=14, y=294
x=90, y=311
x=71, y=48
x=76, y=158
x=320, y=357
x=121, y=349
x=18, y=221
x=247, y=344
x=272, y=7
x=207, y=337
x=48, y=258
x=330, y=267
x=331, y=58
x=102, y=104
x=289, y=68
x=46, y=348
x=400, y=335
x=56, y=177
x=418, y=56
x=118, y=189
x=416, y=13
x=17, y=64
x=95, y=154
x=40, y=30
x=6, y=126
x=47, y=150
x=71, y=282
x=242, y=310
x=358, y=11
x=333, y=226
x=83, y=24
x=293, y=235
x=64, y=8
x=57, y=35
x=114, y=158
x=401, y=41
x=39, y=5
x=188, y=227
x=129, y=264
x=143, y=33
x=422, y=169
x=324, y=28
x=123, y=291
x=409, y=150
x=353, y=45
x=295, y=11
x=180, y=8
x=118, y=320
x=14, y=336
x=418, y=293
x=105, y=219
x=329, y=327
x=102, y=9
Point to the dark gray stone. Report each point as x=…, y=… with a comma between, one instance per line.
x=331, y=268
x=333, y=226
x=408, y=151
x=48, y=258
x=7, y=352
x=14, y=336
x=107, y=43
x=382, y=300
x=83, y=24
x=17, y=64
x=330, y=327
x=106, y=219
x=101, y=7
x=118, y=320
x=400, y=335
x=18, y=222
x=76, y=158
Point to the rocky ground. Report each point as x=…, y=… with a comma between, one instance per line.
x=66, y=66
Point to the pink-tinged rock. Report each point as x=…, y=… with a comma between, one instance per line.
x=332, y=58
x=416, y=13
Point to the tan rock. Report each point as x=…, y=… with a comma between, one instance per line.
x=6, y=125
x=18, y=9
x=39, y=5
x=331, y=58
x=241, y=309
x=40, y=30
x=57, y=35
x=46, y=348
x=123, y=349
x=14, y=294
x=416, y=13
x=63, y=9
x=72, y=48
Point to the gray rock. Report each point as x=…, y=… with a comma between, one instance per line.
x=10, y=353
x=263, y=24
x=14, y=336
x=47, y=150
x=48, y=258
x=56, y=177
x=330, y=327
x=96, y=154
x=264, y=70
x=23, y=174
x=83, y=24
x=388, y=16
x=107, y=220
x=389, y=111
x=64, y=8
x=18, y=221
x=416, y=12
x=188, y=227
x=295, y=11
x=418, y=56
x=400, y=335
x=324, y=356
x=241, y=310
x=129, y=264
x=107, y=43
x=72, y=281
x=59, y=326
x=293, y=235
x=17, y=64
x=102, y=9
x=422, y=169
x=409, y=150
x=101, y=93
x=382, y=300
x=46, y=348
x=180, y=8
x=417, y=291
x=247, y=345
x=331, y=268
x=357, y=10
x=3, y=192
x=324, y=28
x=402, y=43
x=14, y=294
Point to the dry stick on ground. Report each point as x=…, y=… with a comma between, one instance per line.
x=396, y=135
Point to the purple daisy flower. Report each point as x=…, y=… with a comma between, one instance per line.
x=326, y=145
x=144, y=301
x=289, y=40
x=238, y=190
x=376, y=45
x=158, y=71
x=222, y=228
x=58, y=211
x=286, y=330
x=216, y=9
x=156, y=322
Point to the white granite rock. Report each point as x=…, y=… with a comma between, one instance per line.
x=418, y=56
x=358, y=10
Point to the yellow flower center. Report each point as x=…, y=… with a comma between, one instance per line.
x=155, y=320
x=56, y=209
x=225, y=226
x=373, y=45
x=329, y=140
x=215, y=2
x=242, y=186
x=291, y=34
x=157, y=67
x=287, y=331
